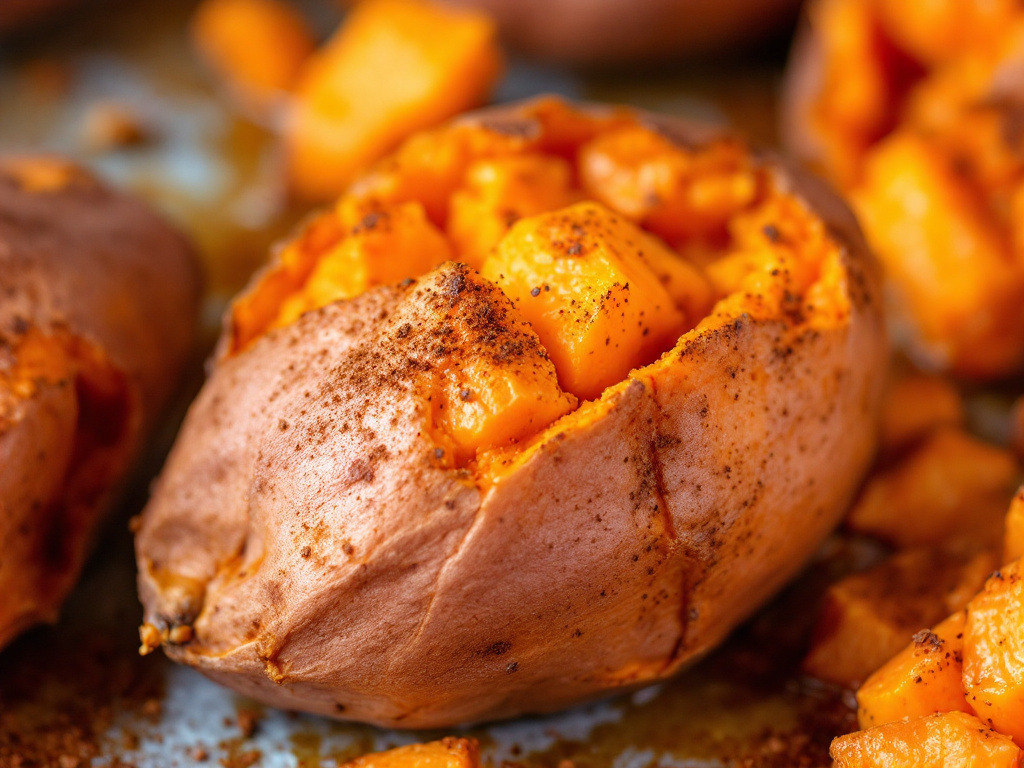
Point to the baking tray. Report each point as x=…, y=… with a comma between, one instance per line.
x=78, y=694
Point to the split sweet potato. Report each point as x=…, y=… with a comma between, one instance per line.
x=912, y=112
x=464, y=495
x=99, y=302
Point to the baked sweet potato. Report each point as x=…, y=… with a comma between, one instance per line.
x=404, y=506
x=99, y=301
x=913, y=112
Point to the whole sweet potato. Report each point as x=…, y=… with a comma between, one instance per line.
x=410, y=502
x=98, y=299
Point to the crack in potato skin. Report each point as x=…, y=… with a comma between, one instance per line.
x=347, y=557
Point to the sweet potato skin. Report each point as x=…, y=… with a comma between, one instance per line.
x=98, y=270
x=503, y=596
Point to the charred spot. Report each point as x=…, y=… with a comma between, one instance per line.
x=499, y=648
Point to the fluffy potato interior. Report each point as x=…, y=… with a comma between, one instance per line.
x=611, y=240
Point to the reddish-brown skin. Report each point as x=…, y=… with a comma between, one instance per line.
x=607, y=32
x=325, y=558
x=80, y=262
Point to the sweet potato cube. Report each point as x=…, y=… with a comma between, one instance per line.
x=924, y=678
x=994, y=652
x=868, y=617
x=580, y=276
x=256, y=47
x=498, y=192
x=481, y=405
x=1013, y=535
x=947, y=740
x=914, y=405
x=674, y=193
x=387, y=246
x=952, y=485
x=446, y=753
x=395, y=67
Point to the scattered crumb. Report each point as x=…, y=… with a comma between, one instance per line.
x=109, y=126
x=152, y=708
x=247, y=722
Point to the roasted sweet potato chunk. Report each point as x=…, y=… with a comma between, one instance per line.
x=994, y=652
x=947, y=740
x=952, y=485
x=256, y=47
x=924, y=678
x=395, y=67
x=868, y=617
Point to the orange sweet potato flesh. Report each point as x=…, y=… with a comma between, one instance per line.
x=910, y=112
x=446, y=753
x=579, y=276
x=498, y=192
x=947, y=740
x=394, y=67
x=951, y=485
x=924, y=678
x=553, y=549
x=866, y=618
x=100, y=299
x=994, y=652
x=256, y=47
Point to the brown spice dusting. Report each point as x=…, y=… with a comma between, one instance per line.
x=88, y=680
